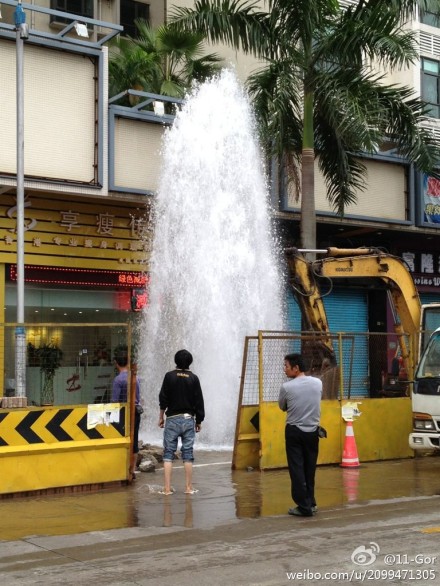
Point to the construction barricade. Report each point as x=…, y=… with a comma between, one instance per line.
x=65, y=434
x=259, y=436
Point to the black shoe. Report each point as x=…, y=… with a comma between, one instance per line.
x=298, y=513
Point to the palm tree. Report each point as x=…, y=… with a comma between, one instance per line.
x=317, y=94
x=160, y=61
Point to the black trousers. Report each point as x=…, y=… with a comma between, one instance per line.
x=302, y=454
x=137, y=422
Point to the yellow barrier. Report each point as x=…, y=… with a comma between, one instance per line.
x=381, y=432
x=47, y=448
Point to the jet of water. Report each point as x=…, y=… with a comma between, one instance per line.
x=215, y=276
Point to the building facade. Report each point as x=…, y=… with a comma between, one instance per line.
x=87, y=228
x=91, y=168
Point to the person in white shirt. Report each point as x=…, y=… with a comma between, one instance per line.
x=301, y=397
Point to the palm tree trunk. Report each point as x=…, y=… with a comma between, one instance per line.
x=308, y=212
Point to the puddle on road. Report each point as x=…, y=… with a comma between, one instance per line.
x=224, y=495
x=268, y=493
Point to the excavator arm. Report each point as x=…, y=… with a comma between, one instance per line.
x=306, y=278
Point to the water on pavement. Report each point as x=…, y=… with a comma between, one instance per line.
x=224, y=495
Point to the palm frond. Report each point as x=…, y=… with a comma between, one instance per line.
x=160, y=60
x=403, y=124
x=319, y=52
x=365, y=31
x=276, y=92
x=237, y=23
x=343, y=171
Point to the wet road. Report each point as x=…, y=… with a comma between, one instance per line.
x=224, y=495
x=234, y=530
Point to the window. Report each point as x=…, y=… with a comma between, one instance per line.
x=429, y=18
x=130, y=11
x=79, y=7
x=430, y=86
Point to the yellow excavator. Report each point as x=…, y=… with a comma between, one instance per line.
x=420, y=324
x=307, y=278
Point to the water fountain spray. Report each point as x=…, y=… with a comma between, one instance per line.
x=214, y=265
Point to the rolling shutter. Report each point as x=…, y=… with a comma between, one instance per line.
x=347, y=311
x=293, y=313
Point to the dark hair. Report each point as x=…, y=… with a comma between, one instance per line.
x=183, y=359
x=295, y=360
x=121, y=355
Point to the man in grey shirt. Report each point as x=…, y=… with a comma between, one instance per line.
x=301, y=398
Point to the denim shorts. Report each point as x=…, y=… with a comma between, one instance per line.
x=175, y=427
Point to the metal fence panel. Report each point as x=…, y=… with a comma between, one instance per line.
x=333, y=358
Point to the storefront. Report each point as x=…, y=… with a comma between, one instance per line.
x=86, y=262
x=62, y=295
x=74, y=243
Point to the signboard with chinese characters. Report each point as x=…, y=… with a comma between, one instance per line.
x=425, y=269
x=81, y=277
x=431, y=199
x=104, y=234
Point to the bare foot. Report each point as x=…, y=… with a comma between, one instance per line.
x=166, y=492
x=191, y=491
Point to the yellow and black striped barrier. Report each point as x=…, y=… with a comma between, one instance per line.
x=51, y=425
x=53, y=447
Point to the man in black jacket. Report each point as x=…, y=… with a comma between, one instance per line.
x=181, y=400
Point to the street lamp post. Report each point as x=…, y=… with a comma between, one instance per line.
x=22, y=33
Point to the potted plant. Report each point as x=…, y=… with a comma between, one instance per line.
x=49, y=359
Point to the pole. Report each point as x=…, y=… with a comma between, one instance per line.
x=20, y=335
x=132, y=406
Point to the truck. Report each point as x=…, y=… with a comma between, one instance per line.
x=426, y=398
x=416, y=326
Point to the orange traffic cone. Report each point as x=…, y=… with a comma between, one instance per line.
x=350, y=457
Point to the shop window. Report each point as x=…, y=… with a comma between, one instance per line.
x=431, y=86
x=78, y=7
x=56, y=305
x=430, y=18
x=130, y=11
